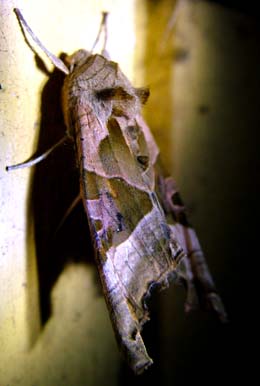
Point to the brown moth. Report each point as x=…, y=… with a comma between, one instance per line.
x=137, y=220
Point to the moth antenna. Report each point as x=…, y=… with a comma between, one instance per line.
x=38, y=159
x=56, y=61
x=171, y=24
x=103, y=27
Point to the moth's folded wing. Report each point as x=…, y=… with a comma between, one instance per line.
x=135, y=248
x=193, y=270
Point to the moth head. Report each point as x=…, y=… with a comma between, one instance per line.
x=77, y=59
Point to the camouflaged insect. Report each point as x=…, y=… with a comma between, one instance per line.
x=137, y=221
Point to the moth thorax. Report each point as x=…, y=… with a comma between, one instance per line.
x=77, y=59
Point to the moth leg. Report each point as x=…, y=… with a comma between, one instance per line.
x=72, y=206
x=36, y=160
x=25, y=27
x=186, y=276
x=194, y=269
x=197, y=274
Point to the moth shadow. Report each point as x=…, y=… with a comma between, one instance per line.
x=55, y=184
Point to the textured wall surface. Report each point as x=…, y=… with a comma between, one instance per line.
x=204, y=112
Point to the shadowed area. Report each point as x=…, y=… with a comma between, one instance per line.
x=55, y=184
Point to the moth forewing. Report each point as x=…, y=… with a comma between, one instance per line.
x=134, y=245
x=138, y=233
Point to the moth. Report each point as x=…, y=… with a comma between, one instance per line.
x=138, y=223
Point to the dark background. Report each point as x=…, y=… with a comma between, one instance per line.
x=197, y=348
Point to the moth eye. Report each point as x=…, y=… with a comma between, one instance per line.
x=143, y=161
